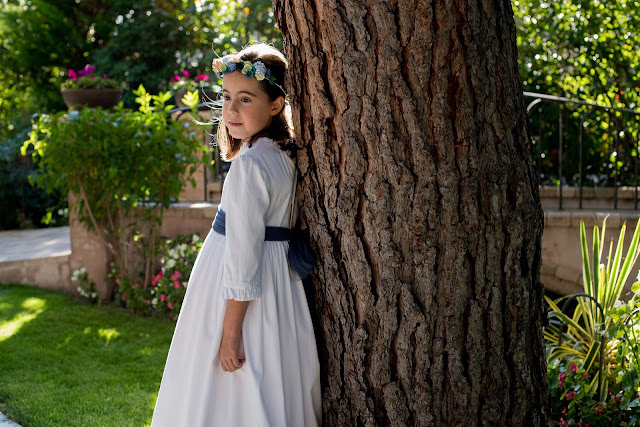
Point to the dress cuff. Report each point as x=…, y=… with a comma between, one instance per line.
x=245, y=292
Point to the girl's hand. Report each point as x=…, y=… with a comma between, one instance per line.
x=231, y=351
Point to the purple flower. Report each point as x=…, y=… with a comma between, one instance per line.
x=72, y=75
x=90, y=68
x=82, y=73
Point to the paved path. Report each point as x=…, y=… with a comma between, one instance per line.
x=6, y=422
x=29, y=244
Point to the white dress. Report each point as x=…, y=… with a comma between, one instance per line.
x=279, y=383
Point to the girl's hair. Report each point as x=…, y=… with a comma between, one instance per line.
x=280, y=129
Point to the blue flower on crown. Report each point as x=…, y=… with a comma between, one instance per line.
x=259, y=67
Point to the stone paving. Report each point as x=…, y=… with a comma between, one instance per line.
x=6, y=422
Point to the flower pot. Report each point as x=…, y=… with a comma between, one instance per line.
x=205, y=96
x=76, y=98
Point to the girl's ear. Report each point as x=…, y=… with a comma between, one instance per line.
x=277, y=105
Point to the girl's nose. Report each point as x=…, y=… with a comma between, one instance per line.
x=233, y=107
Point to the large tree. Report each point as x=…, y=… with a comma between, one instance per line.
x=422, y=199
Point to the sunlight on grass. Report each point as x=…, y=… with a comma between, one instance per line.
x=33, y=307
x=108, y=334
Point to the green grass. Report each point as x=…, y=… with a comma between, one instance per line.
x=63, y=363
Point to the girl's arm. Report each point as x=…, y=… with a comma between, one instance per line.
x=231, y=346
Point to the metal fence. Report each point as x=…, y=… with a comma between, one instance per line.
x=585, y=149
x=586, y=153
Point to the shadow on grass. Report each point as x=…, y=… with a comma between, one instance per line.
x=64, y=363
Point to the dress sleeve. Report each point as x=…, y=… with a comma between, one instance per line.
x=247, y=201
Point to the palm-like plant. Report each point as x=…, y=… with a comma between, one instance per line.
x=588, y=340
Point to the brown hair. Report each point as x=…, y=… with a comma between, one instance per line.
x=279, y=129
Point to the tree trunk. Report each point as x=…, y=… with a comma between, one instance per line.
x=422, y=199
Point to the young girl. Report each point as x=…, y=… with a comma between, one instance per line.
x=243, y=351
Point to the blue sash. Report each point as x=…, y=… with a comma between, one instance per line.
x=271, y=234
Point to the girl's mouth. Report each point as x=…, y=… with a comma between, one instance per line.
x=234, y=124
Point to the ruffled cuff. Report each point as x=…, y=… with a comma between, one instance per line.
x=245, y=292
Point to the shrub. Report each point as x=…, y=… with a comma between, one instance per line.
x=21, y=204
x=123, y=166
x=169, y=285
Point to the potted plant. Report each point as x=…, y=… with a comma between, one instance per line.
x=85, y=88
x=184, y=82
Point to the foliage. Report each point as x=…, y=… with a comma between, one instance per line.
x=583, y=383
x=123, y=166
x=587, y=330
x=65, y=363
x=573, y=401
x=134, y=41
x=585, y=50
x=87, y=79
x=21, y=204
x=186, y=81
x=169, y=285
x=86, y=288
x=42, y=38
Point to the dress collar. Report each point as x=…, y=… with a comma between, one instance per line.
x=260, y=141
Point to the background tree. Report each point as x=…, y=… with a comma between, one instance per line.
x=585, y=50
x=423, y=205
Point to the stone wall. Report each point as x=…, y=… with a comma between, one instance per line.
x=87, y=250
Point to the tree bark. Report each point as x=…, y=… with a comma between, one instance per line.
x=422, y=199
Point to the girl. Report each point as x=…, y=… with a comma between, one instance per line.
x=244, y=352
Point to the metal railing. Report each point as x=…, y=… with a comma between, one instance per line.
x=555, y=149
x=613, y=151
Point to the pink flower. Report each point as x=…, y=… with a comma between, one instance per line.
x=186, y=73
x=584, y=425
x=561, y=378
x=156, y=279
x=570, y=395
x=72, y=75
x=163, y=297
x=123, y=297
x=170, y=305
x=175, y=78
x=176, y=284
x=574, y=368
x=586, y=374
x=90, y=69
x=564, y=423
x=175, y=276
x=202, y=77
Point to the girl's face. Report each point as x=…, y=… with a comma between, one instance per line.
x=246, y=109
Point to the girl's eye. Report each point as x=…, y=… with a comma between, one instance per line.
x=226, y=97
x=246, y=100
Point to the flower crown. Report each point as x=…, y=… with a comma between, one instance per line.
x=250, y=69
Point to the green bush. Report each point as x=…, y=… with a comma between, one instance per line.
x=124, y=168
x=21, y=204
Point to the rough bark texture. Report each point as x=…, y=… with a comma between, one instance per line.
x=422, y=198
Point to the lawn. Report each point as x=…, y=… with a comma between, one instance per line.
x=66, y=363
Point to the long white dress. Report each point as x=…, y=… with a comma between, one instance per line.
x=279, y=383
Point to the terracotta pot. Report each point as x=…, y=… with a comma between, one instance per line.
x=206, y=96
x=78, y=98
